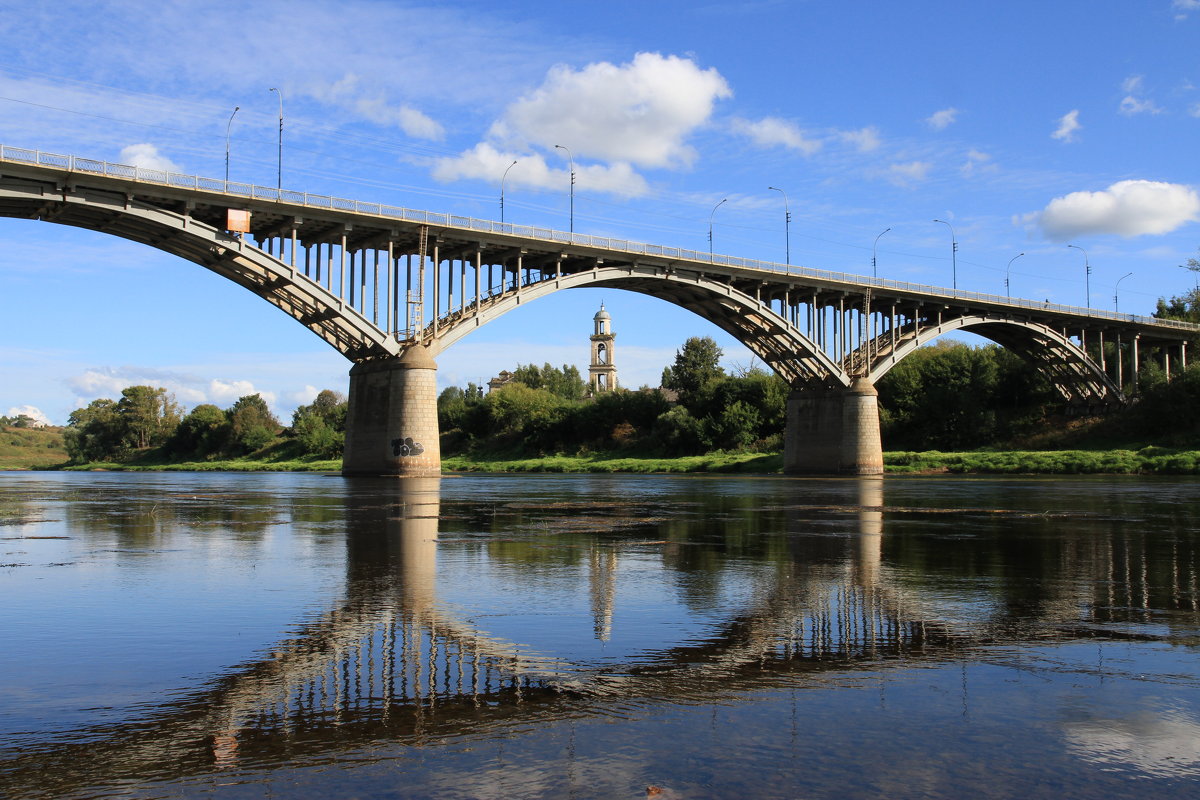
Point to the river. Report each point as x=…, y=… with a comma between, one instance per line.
x=308, y=636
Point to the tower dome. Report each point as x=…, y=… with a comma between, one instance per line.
x=601, y=314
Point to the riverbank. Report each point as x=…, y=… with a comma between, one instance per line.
x=1147, y=461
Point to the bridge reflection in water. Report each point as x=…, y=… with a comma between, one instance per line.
x=393, y=661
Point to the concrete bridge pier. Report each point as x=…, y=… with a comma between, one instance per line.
x=833, y=431
x=391, y=424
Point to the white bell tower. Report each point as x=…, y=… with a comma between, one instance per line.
x=602, y=374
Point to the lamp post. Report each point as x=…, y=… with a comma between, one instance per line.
x=279, y=172
x=1007, y=270
x=571, y=161
x=1117, y=288
x=787, y=225
x=505, y=175
x=710, y=219
x=227, y=125
x=1087, y=275
x=953, y=253
x=874, y=270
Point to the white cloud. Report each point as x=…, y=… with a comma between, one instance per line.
x=1184, y=7
x=33, y=412
x=146, y=156
x=1132, y=103
x=977, y=162
x=940, y=120
x=190, y=390
x=639, y=113
x=635, y=114
x=1068, y=124
x=775, y=132
x=303, y=397
x=374, y=106
x=226, y=392
x=485, y=162
x=1195, y=110
x=1127, y=208
x=865, y=139
x=908, y=174
x=1132, y=84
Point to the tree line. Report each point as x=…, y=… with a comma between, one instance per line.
x=148, y=418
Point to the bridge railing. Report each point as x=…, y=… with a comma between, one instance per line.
x=254, y=192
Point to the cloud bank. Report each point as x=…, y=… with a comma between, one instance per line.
x=637, y=114
x=1128, y=208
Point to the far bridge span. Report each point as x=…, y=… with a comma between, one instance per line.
x=391, y=288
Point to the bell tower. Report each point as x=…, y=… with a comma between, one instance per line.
x=602, y=374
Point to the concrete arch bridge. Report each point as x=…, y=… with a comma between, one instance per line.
x=391, y=288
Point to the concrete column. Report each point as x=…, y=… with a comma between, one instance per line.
x=834, y=431
x=392, y=426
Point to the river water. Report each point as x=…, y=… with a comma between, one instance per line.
x=217, y=635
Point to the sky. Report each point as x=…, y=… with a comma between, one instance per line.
x=1025, y=126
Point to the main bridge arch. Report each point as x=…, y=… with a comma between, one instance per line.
x=778, y=343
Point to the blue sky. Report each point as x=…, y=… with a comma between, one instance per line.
x=1026, y=125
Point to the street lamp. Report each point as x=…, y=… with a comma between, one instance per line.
x=505, y=175
x=953, y=253
x=1007, y=270
x=1087, y=274
x=787, y=223
x=227, y=124
x=279, y=173
x=1117, y=287
x=571, y=161
x=874, y=271
x=710, y=218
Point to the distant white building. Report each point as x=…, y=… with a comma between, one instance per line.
x=602, y=373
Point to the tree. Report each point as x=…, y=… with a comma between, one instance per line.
x=94, y=433
x=1185, y=307
x=252, y=425
x=148, y=416
x=696, y=363
x=321, y=426
x=565, y=383
x=203, y=432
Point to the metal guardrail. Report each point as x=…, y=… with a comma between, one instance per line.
x=253, y=192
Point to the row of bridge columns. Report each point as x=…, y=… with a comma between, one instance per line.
x=392, y=425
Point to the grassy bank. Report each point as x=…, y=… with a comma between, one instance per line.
x=1148, y=460
x=602, y=462
x=26, y=448
x=31, y=448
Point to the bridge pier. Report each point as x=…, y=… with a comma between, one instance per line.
x=391, y=423
x=833, y=431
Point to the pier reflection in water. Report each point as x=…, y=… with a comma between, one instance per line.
x=588, y=636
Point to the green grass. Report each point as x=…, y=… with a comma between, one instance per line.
x=604, y=462
x=1148, y=460
x=31, y=448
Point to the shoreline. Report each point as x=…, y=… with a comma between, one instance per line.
x=1145, y=461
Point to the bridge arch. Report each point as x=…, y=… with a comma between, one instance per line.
x=1077, y=377
x=781, y=345
x=314, y=306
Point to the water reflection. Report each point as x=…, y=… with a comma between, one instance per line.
x=861, y=576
